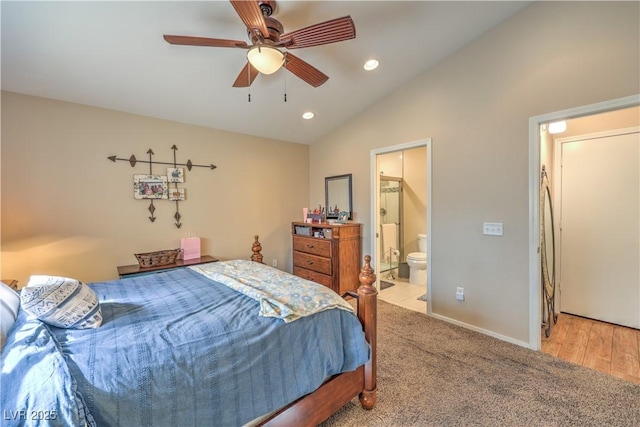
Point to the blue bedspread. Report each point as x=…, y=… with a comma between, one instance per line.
x=175, y=348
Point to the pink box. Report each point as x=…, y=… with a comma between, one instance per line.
x=190, y=247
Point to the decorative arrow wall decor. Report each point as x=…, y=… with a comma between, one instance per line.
x=158, y=186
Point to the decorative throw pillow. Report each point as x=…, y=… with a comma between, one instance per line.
x=9, y=304
x=61, y=302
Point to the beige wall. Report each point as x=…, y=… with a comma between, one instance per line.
x=67, y=210
x=475, y=106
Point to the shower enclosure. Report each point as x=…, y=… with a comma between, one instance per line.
x=390, y=224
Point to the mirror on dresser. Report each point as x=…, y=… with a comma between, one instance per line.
x=337, y=194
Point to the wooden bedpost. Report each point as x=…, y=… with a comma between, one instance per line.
x=368, y=315
x=256, y=248
x=316, y=407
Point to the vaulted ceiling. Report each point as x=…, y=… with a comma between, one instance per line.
x=112, y=55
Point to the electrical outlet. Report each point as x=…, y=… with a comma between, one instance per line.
x=274, y=262
x=460, y=294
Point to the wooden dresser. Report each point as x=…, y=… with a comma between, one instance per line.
x=328, y=254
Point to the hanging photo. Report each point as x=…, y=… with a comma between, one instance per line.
x=176, y=194
x=150, y=187
x=175, y=174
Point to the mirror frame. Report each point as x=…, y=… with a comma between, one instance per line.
x=327, y=180
x=547, y=260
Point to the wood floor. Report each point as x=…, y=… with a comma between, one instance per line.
x=602, y=346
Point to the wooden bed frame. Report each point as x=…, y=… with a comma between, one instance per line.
x=316, y=407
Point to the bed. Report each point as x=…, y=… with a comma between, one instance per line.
x=233, y=343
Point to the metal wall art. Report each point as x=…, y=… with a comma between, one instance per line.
x=154, y=186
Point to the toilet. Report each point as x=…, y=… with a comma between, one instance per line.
x=418, y=263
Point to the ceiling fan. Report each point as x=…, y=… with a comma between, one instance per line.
x=264, y=54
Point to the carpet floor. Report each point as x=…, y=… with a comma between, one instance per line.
x=432, y=373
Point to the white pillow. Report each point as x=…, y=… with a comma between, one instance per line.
x=9, y=304
x=61, y=302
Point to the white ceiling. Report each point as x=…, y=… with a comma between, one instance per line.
x=112, y=55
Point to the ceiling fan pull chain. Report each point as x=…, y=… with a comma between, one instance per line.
x=285, y=81
x=249, y=86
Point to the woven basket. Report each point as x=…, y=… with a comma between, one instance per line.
x=152, y=259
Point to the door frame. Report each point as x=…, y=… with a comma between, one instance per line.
x=535, y=297
x=375, y=205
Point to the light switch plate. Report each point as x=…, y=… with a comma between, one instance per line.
x=492, y=229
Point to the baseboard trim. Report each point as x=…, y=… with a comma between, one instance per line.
x=482, y=331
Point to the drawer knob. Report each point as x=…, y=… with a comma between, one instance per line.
x=309, y=262
x=309, y=246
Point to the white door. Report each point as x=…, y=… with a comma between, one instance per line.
x=600, y=228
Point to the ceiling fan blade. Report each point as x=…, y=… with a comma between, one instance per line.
x=336, y=30
x=304, y=70
x=251, y=15
x=246, y=76
x=203, y=41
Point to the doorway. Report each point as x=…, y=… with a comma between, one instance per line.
x=538, y=155
x=595, y=179
x=400, y=211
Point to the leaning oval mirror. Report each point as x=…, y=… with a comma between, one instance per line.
x=337, y=194
x=547, y=253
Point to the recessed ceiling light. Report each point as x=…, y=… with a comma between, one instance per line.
x=371, y=64
x=308, y=115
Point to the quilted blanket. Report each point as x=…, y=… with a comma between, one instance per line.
x=280, y=294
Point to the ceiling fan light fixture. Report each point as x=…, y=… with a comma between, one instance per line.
x=266, y=59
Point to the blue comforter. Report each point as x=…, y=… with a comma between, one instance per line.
x=175, y=348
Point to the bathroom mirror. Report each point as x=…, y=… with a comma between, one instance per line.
x=337, y=194
x=547, y=254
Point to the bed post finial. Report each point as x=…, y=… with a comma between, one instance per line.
x=368, y=313
x=367, y=277
x=256, y=248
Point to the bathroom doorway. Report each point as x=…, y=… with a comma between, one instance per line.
x=401, y=183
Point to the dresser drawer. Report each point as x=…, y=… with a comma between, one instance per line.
x=314, y=276
x=312, y=262
x=312, y=246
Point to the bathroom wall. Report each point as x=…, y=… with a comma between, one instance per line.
x=414, y=197
x=410, y=165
